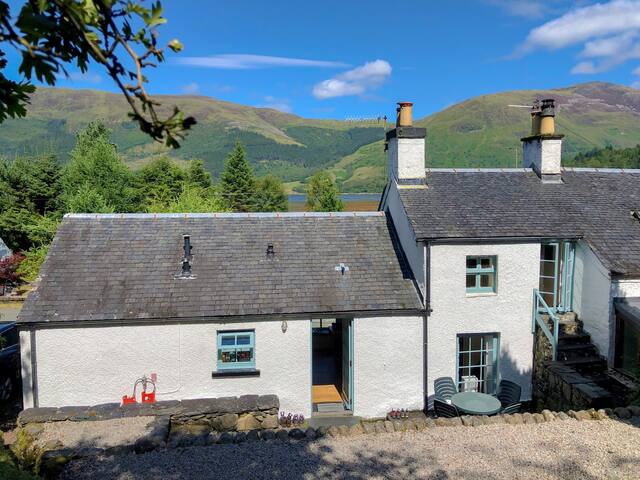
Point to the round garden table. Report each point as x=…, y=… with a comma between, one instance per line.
x=474, y=403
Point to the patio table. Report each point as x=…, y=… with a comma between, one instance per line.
x=474, y=403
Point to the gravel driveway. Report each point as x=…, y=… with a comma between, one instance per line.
x=558, y=450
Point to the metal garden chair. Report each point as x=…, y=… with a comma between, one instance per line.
x=443, y=409
x=444, y=387
x=509, y=396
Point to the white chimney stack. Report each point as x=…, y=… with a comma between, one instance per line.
x=405, y=145
x=542, y=150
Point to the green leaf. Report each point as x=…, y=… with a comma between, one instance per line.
x=175, y=45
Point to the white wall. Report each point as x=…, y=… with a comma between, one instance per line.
x=591, y=297
x=625, y=288
x=413, y=251
x=388, y=365
x=85, y=366
x=406, y=158
x=507, y=312
x=25, y=369
x=544, y=155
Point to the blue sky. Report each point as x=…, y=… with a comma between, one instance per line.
x=339, y=59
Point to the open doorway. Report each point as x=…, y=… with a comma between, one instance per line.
x=332, y=365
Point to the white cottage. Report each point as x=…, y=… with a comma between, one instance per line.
x=318, y=309
x=355, y=313
x=495, y=250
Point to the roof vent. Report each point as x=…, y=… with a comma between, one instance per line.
x=635, y=214
x=270, y=251
x=186, y=259
x=342, y=268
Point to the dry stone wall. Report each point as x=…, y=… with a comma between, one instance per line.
x=247, y=412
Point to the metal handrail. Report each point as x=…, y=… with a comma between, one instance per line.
x=539, y=308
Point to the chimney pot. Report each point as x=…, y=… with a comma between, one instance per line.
x=405, y=114
x=547, y=117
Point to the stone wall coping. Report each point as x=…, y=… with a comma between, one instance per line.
x=172, y=408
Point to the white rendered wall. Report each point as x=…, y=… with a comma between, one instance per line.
x=625, y=288
x=414, y=252
x=25, y=369
x=406, y=158
x=507, y=312
x=591, y=297
x=388, y=365
x=544, y=155
x=92, y=365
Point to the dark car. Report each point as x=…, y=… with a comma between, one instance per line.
x=9, y=360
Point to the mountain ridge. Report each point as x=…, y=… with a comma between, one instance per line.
x=481, y=131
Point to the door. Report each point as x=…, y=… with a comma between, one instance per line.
x=347, y=362
x=549, y=267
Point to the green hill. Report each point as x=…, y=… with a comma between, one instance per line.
x=482, y=131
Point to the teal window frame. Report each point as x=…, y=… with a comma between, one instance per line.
x=232, y=342
x=489, y=344
x=479, y=271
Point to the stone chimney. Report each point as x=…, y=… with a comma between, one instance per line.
x=542, y=150
x=405, y=145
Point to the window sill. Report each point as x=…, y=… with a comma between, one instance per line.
x=249, y=372
x=482, y=294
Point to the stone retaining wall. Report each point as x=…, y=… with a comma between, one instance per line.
x=246, y=412
x=561, y=387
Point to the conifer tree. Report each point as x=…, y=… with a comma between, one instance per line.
x=237, y=181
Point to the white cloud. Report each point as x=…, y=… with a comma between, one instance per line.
x=636, y=71
x=354, y=82
x=80, y=77
x=221, y=88
x=585, y=68
x=636, y=85
x=582, y=24
x=247, y=61
x=190, y=89
x=608, y=32
x=521, y=8
x=281, y=104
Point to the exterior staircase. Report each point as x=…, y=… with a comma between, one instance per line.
x=579, y=377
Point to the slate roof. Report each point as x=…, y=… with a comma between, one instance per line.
x=594, y=204
x=124, y=266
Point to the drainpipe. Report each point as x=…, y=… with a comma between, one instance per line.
x=427, y=312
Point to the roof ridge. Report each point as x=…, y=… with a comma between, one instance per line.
x=99, y=216
x=478, y=170
x=601, y=170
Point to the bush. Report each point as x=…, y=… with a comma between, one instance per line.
x=29, y=269
x=8, y=468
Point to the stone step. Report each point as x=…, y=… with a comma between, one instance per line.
x=573, y=351
x=573, y=338
x=586, y=364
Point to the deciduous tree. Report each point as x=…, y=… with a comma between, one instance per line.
x=323, y=194
x=270, y=195
x=119, y=36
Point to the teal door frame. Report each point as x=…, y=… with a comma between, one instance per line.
x=563, y=263
x=347, y=362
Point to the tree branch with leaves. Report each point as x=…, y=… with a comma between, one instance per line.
x=119, y=35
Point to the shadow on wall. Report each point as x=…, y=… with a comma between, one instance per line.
x=509, y=370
